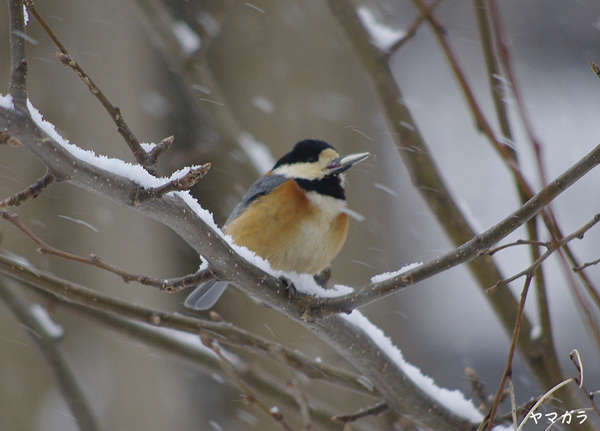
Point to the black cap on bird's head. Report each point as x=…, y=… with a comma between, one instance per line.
x=306, y=151
x=312, y=159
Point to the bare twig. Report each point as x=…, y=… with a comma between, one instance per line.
x=292, y=387
x=513, y=403
x=478, y=388
x=76, y=399
x=469, y=250
x=505, y=57
x=359, y=414
x=186, y=182
x=518, y=242
x=551, y=249
x=252, y=398
x=595, y=68
x=521, y=411
x=141, y=156
x=511, y=353
x=169, y=285
x=576, y=359
x=585, y=265
x=32, y=191
x=161, y=148
x=412, y=29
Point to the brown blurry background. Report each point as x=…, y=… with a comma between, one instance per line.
x=284, y=73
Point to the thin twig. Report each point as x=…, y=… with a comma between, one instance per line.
x=513, y=403
x=252, y=398
x=141, y=156
x=496, y=83
x=32, y=191
x=582, y=301
x=186, y=182
x=478, y=388
x=585, y=265
x=521, y=411
x=292, y=387
x=595, y=68
x=505, y=57
x=576, y=359
x=518, y=242
x=511, y=353
x=553, y=247
x=506, y=152
x=412, y=29
x=168, y=285
x=161, y=148
x=76, y=399
x=361, y=413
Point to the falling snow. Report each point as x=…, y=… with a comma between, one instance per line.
x=188, y=39
x=51, y=328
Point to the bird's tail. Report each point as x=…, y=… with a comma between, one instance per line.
x=205, y=295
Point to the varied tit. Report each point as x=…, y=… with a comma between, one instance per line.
x=294, y=216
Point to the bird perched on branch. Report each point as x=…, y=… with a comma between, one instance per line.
x=294, y=216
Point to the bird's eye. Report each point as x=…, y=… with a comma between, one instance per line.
x=312, y=160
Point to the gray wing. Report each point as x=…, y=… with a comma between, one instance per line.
x=260, y=188
x=205, y=295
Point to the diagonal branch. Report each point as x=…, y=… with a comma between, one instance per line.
x=186, y=182
x=169, y=285
x=251, y=397
x=552, y=247
x=32, y=191
x=72, y=392
x=466, y=252
x=141, y=156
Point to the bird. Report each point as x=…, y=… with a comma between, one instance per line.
x=295, y=216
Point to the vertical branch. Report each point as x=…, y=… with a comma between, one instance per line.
x=499, y=90
x=504, y=55
x=511, y=353
x=18, y=63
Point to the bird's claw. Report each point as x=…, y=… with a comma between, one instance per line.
x=323, y=277
x=289, y=286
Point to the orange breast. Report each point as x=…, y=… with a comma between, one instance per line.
x=288, y=230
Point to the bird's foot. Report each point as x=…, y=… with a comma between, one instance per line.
x=289, y=286
x=323, y=277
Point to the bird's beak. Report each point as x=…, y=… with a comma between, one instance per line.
x=342, y=164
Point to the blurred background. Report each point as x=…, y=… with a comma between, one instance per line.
x=275, y=73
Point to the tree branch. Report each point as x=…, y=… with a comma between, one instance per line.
x=76, y=400
x=169, y=285
x=147, y=160
x=18, y=72
x=72, y=293
x=30, y=192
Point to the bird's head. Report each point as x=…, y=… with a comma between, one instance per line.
x=314, y=160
